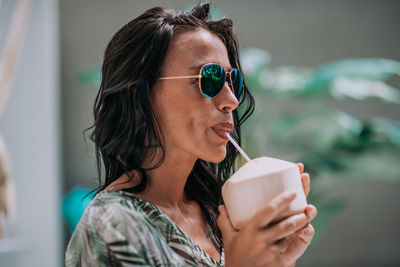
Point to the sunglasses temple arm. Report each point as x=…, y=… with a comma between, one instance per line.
x=179, y=77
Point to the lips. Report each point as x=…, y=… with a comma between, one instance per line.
x=221, y=128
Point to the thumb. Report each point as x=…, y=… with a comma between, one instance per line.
x=224, y=223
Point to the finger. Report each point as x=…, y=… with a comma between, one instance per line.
x=281, y=244
x=307, y=230
x=292, y=224
x=278, y=204
x=224, y=223
x=311, y=211
x=301, y=167
x=306, y=233
x=305, y=181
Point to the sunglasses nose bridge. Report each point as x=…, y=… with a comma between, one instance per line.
x=228, y=82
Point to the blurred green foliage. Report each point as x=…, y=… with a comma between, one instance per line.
x=296, y=119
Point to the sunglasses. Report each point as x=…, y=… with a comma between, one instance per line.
x=212, y=78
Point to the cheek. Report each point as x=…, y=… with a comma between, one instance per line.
x=185, y=123
x=188, y=128
x=177, y=119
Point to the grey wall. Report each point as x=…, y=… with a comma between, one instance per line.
x=30, y=127
x=300, y=33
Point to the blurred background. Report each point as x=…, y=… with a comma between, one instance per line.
x=325, y=75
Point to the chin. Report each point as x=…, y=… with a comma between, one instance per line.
x=217, y=156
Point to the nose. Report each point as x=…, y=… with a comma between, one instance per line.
x=226, y=100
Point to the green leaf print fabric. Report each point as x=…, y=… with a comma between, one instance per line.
x=119, y=229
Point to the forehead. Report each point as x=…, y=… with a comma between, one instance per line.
x=195, y=48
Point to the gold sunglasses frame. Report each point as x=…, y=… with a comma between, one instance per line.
x=199, y=77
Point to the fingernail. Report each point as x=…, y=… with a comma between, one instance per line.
x=310, y=212
x=301, y=164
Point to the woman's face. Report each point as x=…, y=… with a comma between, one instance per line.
x=191, y=124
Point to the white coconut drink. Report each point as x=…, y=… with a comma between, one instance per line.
x=256, y=183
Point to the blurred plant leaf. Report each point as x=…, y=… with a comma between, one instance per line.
x=283, y=80
x=364, y=68
x=387, y=129
x=361, y=89
x=358, y=78
x=315, y=130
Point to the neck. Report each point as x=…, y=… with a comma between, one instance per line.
x=166, y=183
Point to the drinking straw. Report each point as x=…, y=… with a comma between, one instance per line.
x=237, y=146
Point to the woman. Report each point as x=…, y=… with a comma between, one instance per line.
x=171, y=86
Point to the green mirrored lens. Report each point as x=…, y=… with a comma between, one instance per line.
x=212, y=80
x=237, y=83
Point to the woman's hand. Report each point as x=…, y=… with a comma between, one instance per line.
x=261, y=244
x=301, y=239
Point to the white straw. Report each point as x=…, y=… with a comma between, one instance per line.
x=237, y=146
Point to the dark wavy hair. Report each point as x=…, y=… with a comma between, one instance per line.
x=124, y=121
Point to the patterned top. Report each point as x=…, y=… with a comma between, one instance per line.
x=120, y=229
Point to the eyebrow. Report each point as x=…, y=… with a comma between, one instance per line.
x=196, y=66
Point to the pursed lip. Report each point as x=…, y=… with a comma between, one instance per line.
x=221, y=128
